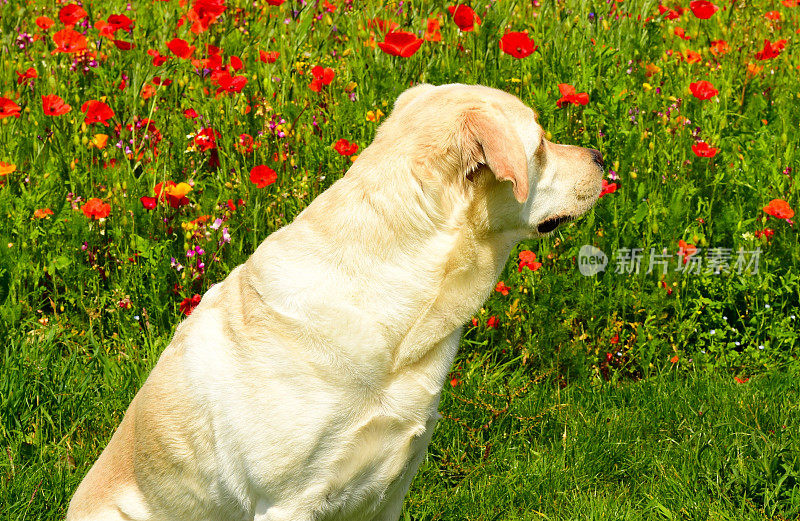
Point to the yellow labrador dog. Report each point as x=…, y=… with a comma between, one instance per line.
x=305, y=386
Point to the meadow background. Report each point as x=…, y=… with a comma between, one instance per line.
x=147, y=148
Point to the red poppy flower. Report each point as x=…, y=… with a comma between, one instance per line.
x=7, y=168
x=168, y=191
x=158, y=58
x=189, y=303
x=322, y=76
x=493, y=322
x=779, y=209
x=741, y=380
x=213, y=62
x=773, y=15
x=53, y=105
x=569, y=95
x=464, y=17
x=702, y=149
x=790, y=3
x=262, y=176
x=686, y=250
x=502, y=288
x=680, y=33
x=96, y=209
x=245, y=144
x=275, y=2
x=607, y=188
x=400, y=43
x=236, y=63
x=148, y=91
x=171, y=192
x=116, y=22
x=228, y=83
x=149, y=202
x=345, y=147
x=692, y=56
x=517, y=44
x=527, y=259
x=71, y=14
x=770, y=50
x=69, y=41
x=237, y=83
x=268, y=57
x=97, y=112
x=122, y=45
x=27, y=76
x=206, y=139
x=177, y=197
x=180, y=48
x=703, y=9
x=204, y=13
x=105, y=29
x=671, y=14
x=190, y=113
x=8, y=108
x=719, y=47
x=44, y=23
x=120, y=22
x=703, y=90
x=432, y=32
x=766, y=232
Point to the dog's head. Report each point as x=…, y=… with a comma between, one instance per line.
x=486, y=146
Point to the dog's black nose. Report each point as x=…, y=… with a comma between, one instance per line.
x=597, y=157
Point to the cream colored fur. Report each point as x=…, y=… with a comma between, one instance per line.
x=305, y=385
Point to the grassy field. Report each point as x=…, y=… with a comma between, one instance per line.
x=147, y=150
x=512, y=444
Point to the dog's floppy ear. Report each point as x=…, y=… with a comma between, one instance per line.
x=491, y=140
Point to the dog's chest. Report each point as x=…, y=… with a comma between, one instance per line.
x=318, y=445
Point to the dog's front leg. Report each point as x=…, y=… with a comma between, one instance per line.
x=393, y=502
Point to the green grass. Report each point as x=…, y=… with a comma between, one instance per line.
x=697, y=447
x=608, y=373
x=513, y=444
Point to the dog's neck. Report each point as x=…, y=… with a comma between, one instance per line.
x=467, y=272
